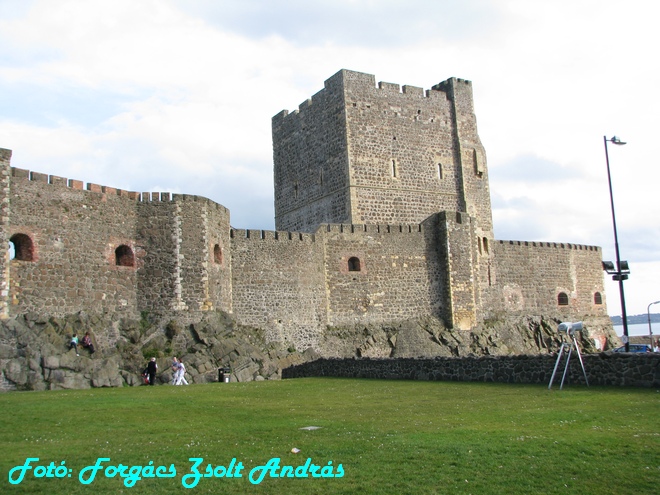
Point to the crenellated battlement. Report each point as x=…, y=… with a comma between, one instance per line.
x=20, y=173
x=271, y=235
x=445, y=85
x=556, y=245
x=348, y=228
x=350, y=80
x=144, y=197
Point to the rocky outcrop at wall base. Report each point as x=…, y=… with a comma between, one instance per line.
x=34, y=352
x=428, y=337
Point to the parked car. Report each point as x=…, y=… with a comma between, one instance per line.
x=634, y=348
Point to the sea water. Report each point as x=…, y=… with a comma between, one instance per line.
x=639, y=329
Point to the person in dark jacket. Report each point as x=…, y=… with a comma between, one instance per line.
x=152, y=367
x=87, y=343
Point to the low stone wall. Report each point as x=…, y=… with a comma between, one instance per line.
x=607, y=368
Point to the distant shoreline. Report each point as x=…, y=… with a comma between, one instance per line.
x=636, y=319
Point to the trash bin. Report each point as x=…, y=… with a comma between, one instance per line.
x=223, y=375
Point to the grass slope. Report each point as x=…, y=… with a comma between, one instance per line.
x=390, y=437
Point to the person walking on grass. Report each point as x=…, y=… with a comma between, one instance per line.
x=181, y=371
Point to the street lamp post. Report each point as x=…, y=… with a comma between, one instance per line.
x=648, y=315
x=622, y=271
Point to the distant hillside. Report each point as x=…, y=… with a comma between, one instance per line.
x=636, y=319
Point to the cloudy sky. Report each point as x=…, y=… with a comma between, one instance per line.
x=177, y=95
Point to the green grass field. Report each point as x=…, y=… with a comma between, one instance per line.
x=391, y=437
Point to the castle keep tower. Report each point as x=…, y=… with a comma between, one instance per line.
x=365, y=154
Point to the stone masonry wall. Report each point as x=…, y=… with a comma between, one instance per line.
x=457, y=241
x=278, y=285
x=528, y=276
x=357, y=153
x=5, y=173
x=470, y=155
x=401, y=151
x=205, y=277
x=397, y=276
x=310, y=162
x=74, y=235
x=609, y=369
x=219, y=270
x=159, y=276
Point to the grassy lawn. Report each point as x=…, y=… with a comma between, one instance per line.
x=391, y=437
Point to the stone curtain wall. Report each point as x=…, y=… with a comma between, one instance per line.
x=74, y=234
x=528, y=276
x=278, y=285
x=397, y=277
x=290, y=284
x=617, y=369
x=180, y=246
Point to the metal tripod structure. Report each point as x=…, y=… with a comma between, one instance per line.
x=569, y=342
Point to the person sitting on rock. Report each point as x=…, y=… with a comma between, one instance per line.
x=87, y=343
x=73, y=344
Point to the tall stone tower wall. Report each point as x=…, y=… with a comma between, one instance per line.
x=311, y=162
x=366, y=154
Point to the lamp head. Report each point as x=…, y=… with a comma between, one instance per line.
x=616, y=140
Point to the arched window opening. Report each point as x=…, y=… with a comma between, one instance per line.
x=394, y=171
x=23, y=247
x=598, y=298
x=217, y=254
x=124, y=256
x=353, y=264
x=486, y=245
x=562, y=299
x=439, y=170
